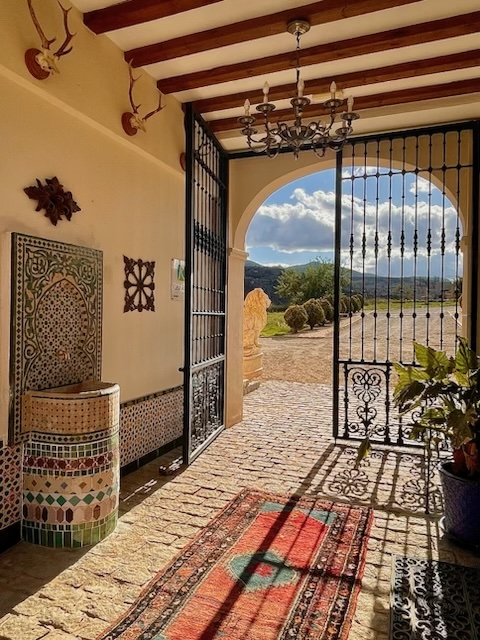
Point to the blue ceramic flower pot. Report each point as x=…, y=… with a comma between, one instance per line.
x=462, y=506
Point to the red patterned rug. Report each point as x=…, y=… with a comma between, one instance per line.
x=266, y=568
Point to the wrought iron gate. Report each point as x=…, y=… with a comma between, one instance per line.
x=205, y=286
x=399, y=245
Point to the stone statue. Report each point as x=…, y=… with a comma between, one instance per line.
x=254, y=319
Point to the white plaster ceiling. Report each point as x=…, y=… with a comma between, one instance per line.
x=416, y=113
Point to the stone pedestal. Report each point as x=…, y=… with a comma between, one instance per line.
x=253, y=365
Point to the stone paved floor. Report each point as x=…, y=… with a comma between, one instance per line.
x=283, y=445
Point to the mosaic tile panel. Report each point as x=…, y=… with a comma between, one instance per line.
x=146, y=424
x=51, y=463
x=58, y=438
x=149, y=423
x=65, y=484
x=74, y=449
x=56, y=318
x=10, y=485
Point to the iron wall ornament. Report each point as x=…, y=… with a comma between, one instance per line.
x=54, y=199
x=139, y=285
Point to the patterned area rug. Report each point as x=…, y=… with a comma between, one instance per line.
x=434, y=601
x=266, y=568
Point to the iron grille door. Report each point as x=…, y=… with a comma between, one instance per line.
x=399, y=245
x=205, y=286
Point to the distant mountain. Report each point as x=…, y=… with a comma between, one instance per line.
x=258, y=275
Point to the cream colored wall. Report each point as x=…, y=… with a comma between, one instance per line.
x=93, y=79
x=131, y=191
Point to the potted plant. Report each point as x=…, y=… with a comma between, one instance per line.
x=444, y=395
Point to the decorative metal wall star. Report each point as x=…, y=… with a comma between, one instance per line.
x=139, y=285
x=52, y=197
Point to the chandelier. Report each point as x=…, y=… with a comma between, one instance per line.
x=316, y=135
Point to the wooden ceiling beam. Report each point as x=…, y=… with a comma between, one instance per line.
x=455, y=26
x=462, y=60
x=127, y=14
x=417, y=94
x=261, y=27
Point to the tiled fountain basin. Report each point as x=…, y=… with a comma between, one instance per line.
x=86, y=407
x=71, y=464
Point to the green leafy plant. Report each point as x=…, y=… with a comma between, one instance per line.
x=445, y=391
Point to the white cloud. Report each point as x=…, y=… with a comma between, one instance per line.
x=374, y=230
x=305, y=225
x=420, y=185
x=283, y=265
x=358, y=172
x=379, y=228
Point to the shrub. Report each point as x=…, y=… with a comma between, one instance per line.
x=354, y=304
x=327, y=309
x=344, y=304
x=329, y=299
x=314, y=312
x=295, y=316
x=361, y=299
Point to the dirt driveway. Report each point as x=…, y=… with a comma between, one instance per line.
x=307, y=356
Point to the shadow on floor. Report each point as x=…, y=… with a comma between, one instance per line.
x=41, y=565
x=387, y=480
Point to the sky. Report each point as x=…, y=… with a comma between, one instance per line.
x=295, y=225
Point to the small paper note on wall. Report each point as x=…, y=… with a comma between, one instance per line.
x=178, y=279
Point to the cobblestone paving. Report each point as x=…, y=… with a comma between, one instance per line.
x=284, y=445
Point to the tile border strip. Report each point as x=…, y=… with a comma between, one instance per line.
x=150, y=396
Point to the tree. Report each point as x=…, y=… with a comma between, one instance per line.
x=290, y=286
x=402, y=292
x=316, y=281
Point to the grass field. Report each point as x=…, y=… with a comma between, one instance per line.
x=382, y=304
x=276, y=325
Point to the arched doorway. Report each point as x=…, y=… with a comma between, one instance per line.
x=443, y=157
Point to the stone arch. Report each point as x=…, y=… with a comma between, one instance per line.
x=267, y=190
x=264, y=191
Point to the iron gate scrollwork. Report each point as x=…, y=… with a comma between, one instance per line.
x=399, y=243
x=205, y=286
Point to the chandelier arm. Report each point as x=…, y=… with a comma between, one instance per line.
x=319, y=153
x=328, y=128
